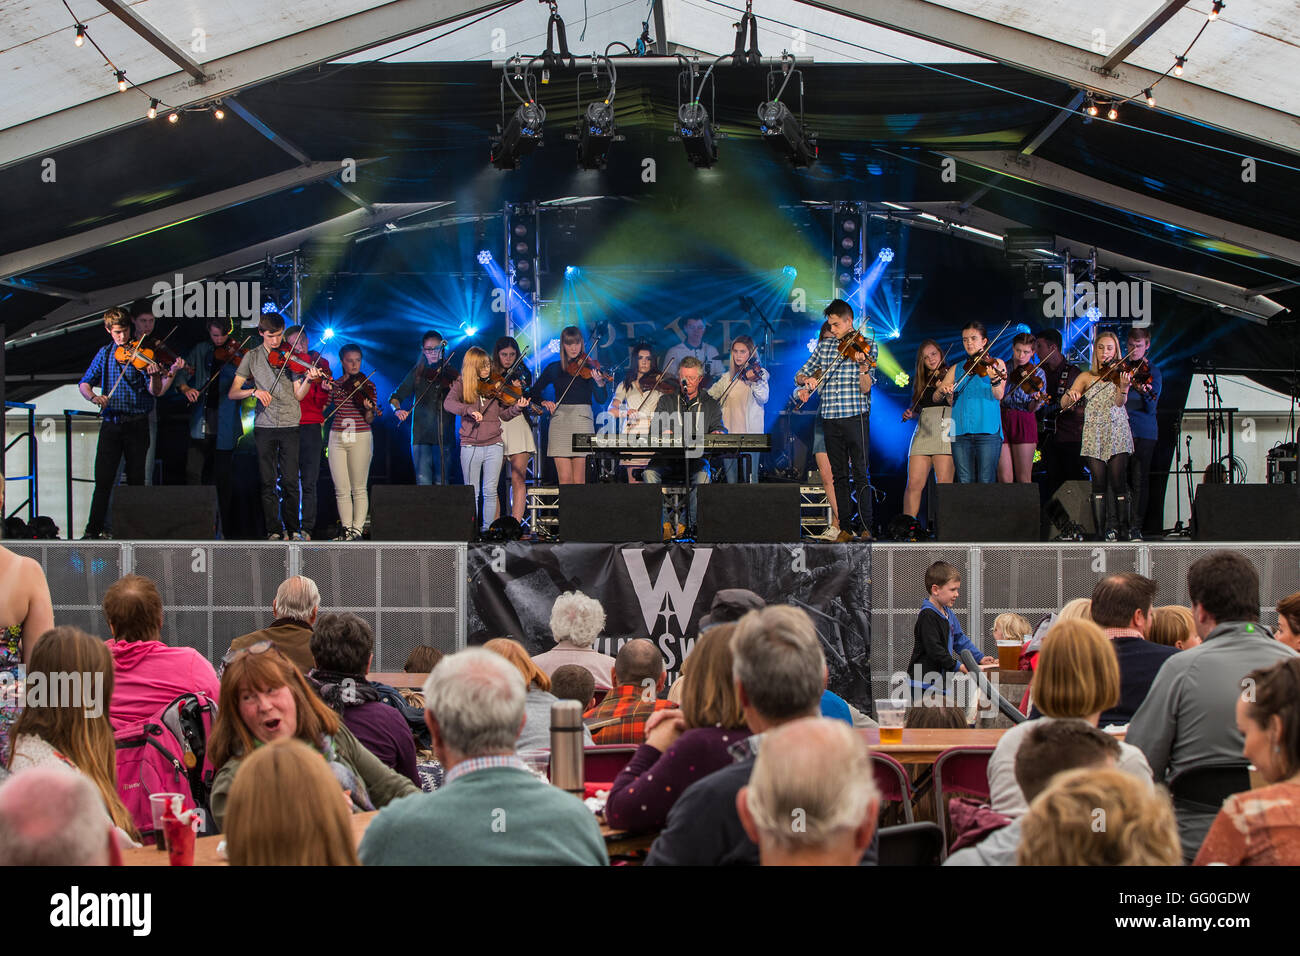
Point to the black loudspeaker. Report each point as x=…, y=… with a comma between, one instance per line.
x=985, y=513
x=1072, y=505
x=1246, y=513
x=611, y=513
x=423, y=513
x=749, y=513
x=165, y=512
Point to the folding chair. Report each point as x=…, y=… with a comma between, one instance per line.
x=911, y=844
x=962, y=770
x=893, y=782
x=602, y=763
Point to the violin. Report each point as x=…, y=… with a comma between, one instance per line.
x=582, y=367
x=652, y=381
x=282, y=357
x=230, y=351
x=985, y=365
x=752, y=371
x=495, y=386
x=145, y=351
x=441, y=375
x=1028, y=379
x=854, y=343
x=1142, y=378
x=362, y=387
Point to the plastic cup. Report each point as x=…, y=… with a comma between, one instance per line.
x=180, y=838
x=1009, y=655
x=890, y=715
x=157, y=805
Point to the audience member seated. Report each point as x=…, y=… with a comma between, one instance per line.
x=422, y=659
x=1050, y=747
x=491, y=809
x=51, y=816
x=343, y=646
x=285, y=809
x=1188, y=720
x=1288, y=622
x=1121, y=607
x=681, y=746
x=571, y=682
x=26, y=613
x=812, y=798
x=1077, y=609
x=923, y=716
x=148, y=675
x=1012, y=627
x=780, y=671
x=638, y=678
x=1261, y=827
x=1099, y=818
x=296, y=604
x=1077, y=677
x=264, y=697
x=1173, y=626
x=76, y=734
x=576, y=622
x=536, y=734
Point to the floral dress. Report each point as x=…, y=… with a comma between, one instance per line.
x=1105, y=425
x=11, y=683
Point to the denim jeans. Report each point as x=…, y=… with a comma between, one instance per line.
x=654, y=475
x=975, y=458
x=481, y=465
x=731, y=467
x=428, y=465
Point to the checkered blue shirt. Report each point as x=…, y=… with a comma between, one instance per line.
x=841, y=396
x=482, y=763
x=129, y=398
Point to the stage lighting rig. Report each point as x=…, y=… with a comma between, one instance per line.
x=522, y=133
x=779, y=127
x=596, y=129
x=696, y=131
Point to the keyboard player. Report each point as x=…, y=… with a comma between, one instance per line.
x=684, y=417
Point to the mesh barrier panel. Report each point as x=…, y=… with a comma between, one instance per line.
x=1278, y=566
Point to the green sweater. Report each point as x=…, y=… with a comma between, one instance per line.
x=494, y=816
x=381, y=784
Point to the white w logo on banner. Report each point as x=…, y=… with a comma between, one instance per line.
x=666, y=597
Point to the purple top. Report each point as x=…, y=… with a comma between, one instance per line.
x=384, y=732
x=646, y=789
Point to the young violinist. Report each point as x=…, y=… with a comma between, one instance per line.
x=1143, y=397
x=844, y=381
x=214, y=416
x=930, y=448
x=684, y=417
x=310, y=425
x=126, y=397
x=635, y=399
x=1107, y=440
x=976, y=414
x=1060, y=431
x=278, y=390
x=576, y=382
x=1023, y=396
x=481, y=417
x=823, y=460
x=516, y=432
x=742, y=403
x=142, y=326
x=350, y=447
x=426, y=385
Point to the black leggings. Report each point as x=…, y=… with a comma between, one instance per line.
x=1109, y=475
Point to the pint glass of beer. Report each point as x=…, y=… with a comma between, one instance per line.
x=1009, y=655
x=889, y=715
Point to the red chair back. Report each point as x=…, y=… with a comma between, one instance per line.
x=893, y=782
x=602, y=763
x=598, y=695
x=963, y=770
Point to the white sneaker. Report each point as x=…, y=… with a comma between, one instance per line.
x=830, y=534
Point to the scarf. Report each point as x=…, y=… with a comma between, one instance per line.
x=341, y=691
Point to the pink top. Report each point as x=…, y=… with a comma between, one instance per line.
x=486, y=432
x=147, y=675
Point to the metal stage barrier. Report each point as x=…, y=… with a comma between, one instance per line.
x=416, y=593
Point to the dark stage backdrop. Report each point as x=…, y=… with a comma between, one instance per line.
x=661, y=591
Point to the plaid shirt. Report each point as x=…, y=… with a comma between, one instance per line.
x=482, y=763
x=627, y=705
x=841, y=395
x=131, y=397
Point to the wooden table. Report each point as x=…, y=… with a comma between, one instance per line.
x=398, y=679
x=923, y=746
x=622, y=843
x=205, y=848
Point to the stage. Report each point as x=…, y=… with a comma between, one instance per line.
x=864, y=597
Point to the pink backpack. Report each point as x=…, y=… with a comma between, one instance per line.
x=167, y=753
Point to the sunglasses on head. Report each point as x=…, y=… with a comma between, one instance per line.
x=261, y=647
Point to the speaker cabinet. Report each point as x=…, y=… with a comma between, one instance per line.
x=1073, y=502
x=611, y=513
x=986, y=513
x=423, y=513
x=165, y=512
x=1246, y=513
x=748, y=513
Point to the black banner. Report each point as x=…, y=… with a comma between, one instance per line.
x=661, y=591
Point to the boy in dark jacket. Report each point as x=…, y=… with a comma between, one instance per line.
x=938, y=634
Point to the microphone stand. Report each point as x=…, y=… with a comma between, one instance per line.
x=1178, y=531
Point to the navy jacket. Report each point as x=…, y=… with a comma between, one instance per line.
x=1139, y=660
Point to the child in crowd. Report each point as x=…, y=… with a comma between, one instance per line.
x=938, y=633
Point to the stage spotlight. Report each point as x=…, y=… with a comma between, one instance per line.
x=469, y=329
x=697, y=135
x=790, y=272
x=886, y=254
x=782, y=130
x=572, y=272
x=327, y=335
x=484, y=257
x=269, y=307
x=595, y=134
x=520, y=137
x=895, y=334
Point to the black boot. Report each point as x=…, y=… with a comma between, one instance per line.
x=1099, y=516
x=1122, y=518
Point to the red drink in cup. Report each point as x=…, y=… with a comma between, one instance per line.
x=180, y=827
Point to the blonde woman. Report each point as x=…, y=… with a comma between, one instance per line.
x=1077, y=679
x=285, y=809
x=575, y=385
x=930, y=447
x=64, y=733
x=482, y=447
x=1107, y=439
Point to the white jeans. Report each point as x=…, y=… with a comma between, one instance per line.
x=349, y=457
x=481, y=466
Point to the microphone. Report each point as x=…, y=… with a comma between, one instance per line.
x=973, y=667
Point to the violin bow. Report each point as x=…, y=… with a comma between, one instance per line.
x=983, y=354
x=1101, y=379
x=442, y=363
x=752, y=360
x=505, y=377
x=653, y=389
x=1037, y=372
x=135, y=352
x=595, y=341
x=929, y=381
x=214, y=375
x=356, y=388
x=839, y=359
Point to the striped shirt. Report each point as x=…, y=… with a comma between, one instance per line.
x=348, y=407
x=482, y=763
x=842, y=397
x=131, y=397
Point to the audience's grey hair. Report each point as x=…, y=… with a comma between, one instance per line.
x=297, y=598
x=778, y=659
x=577, y=618
x=51, y=816
x=477, y=697
x=812, y=781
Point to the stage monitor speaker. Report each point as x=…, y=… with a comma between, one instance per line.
x=423, y=513
x=748, y=512
x=1246, y=513
x=611, y=513
x=1072, y=503
x=165, y=512
x=987, y=513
